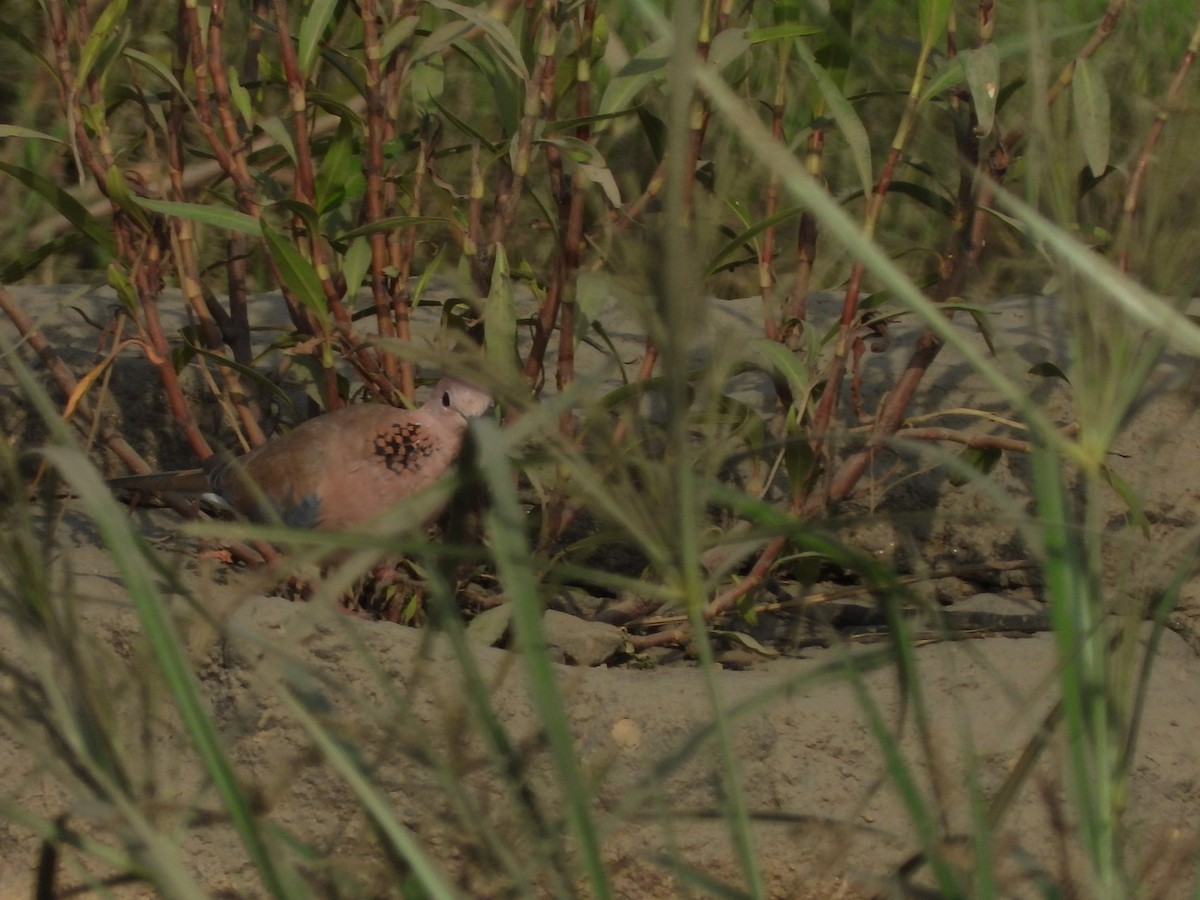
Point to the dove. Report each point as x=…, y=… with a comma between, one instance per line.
x=337, y=470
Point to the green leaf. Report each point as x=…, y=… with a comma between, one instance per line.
x=240, y=96
x=397, y=33
x=388, y=224
x=933, y=16
x=332, y=104
x=497, y=35
x=274, y=128
x=977, y=459
x=427, y=81
x=591, y=164
x=68, y=207
x=500, y=316
x=253, y=375
x=312, y=27
x=297, y=273
x=13, y=34
x=102, y=42
x=655, y=130
x=984, y=323
x=727, y=46
x=925, y=196
x=301, y=211
x=747, y=236
x=514, y=563
x=124, y=290
x=1092, y=114
x=356, y=262
x=747, y=641
x=1049, y=370
x=781, y=32
x=118, y=191
x=982, y=69
x=341, y=165
x=951, y=73
x=507, y=92
x=775, y=356
x=346, y=758
x=491, y=626
x=648, y=66
x=158, y=68
x=467, y=128
x=569, y=126
x=217, y=216
x=1129, y=497
x=27, y=262
x=848, y=122
x=16, y=131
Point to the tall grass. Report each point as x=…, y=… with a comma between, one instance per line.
x=912, y=160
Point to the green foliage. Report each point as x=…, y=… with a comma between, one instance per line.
x=568, y=169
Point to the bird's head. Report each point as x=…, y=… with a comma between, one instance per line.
x=465, y=399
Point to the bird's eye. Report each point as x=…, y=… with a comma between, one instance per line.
x=446, y=399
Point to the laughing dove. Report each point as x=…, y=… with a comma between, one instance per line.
x=340, y=469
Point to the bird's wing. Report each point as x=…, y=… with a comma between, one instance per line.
x=186, y=481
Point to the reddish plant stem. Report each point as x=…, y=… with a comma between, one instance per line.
x=700, y=113
x=757, y=574
x=228, y=146
x=67, y=88
x=85, y=418
x=208, y=66
x=620, y=430
x=215, y=325
x=959, y=260
x=143, y=248
x=1104, y=29
x=511, y=182
x=353, y=349
x=796, y=312
x=219, y=328
x=975, y=441
x=64, y=379
x=473, y=241
x=373, y=169
x=571, y=250
x=848, y=323
x=561, y=190
x=543, y=326
x=570, y=196
x=304, y=191
x=1137, y=180
x=402, y=244
x=812, y=498
x=624, y=218
x=404, y=249
x=766, y=256
x=573, y=242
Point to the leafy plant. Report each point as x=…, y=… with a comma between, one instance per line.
x=502, y=191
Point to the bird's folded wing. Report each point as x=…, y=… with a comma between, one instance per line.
x=188, y=481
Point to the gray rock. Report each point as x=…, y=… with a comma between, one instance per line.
x=581, y=643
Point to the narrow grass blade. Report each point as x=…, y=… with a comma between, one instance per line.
x=372, y=800
x=168, y=651
x=514, y=562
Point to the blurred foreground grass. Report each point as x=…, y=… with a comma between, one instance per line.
x=972, y=146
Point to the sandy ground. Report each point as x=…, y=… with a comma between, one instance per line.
x=827, y=821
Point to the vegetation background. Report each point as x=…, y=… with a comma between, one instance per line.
x=541, y=158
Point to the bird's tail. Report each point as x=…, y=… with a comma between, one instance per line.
x=188, y=481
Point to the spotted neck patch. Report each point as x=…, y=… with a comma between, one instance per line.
x=403, y=447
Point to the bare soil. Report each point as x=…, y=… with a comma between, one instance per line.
x=828, y=822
